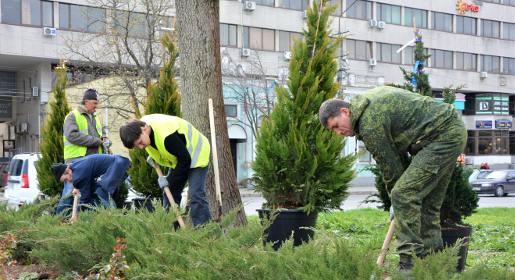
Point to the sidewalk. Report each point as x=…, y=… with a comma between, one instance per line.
x=249, y=192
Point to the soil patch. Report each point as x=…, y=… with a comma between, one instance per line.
x=43, y=271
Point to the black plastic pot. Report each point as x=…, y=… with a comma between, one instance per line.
x=286, y=222
x=146, y=203
x=451, y=235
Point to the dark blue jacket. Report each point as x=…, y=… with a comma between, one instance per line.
x=98, y=174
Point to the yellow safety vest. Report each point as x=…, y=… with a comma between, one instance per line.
x=73, y=151
x=163, y=126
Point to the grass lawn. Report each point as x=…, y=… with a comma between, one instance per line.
x=492, y=242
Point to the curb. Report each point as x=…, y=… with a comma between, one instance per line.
x=247, y=194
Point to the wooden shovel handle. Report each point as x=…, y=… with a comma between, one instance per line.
x=170, y=198
x=74, y=213
x=386, y=243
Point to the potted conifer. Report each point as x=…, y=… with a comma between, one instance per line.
x=163, y=98
x=298, y=167
x=460, y=199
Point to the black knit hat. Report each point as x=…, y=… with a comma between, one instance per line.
x=91, y=93
x=58, y=170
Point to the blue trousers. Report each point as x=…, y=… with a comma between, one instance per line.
x=199, y=207
x=66, y=202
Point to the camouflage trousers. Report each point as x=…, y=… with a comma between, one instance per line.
x=419, y=193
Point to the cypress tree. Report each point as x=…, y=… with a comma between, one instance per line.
x=163, y=98
x=51, y=146
x=297, y=162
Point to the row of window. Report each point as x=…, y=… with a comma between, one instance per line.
x=440, y=21
x=362, y=50
x=77, y=18
x=488, y=142
x=257, y=38
x=289, y=4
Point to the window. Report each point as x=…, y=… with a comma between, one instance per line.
x=508, y=65
x=294, y=4
x=466, y=61
x=361, y=10
x=388, y=53
x=228, y=35
x=409, y=55
x=389, y=13
x=28, y=12
x=258, y=38
x=490, y=63
x=466, y=25
x=359, y=49
x=494, y=1
x=81, y=18
x=265, y=2
x=508, y=31
x=507, y=2
x=441, y=59
x=419, y=15
x=231, y=111
x=442, y=22
x=490, y=28
x=286, y=40
x=487, y=142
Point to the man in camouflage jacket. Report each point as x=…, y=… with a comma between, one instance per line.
x=393, y=122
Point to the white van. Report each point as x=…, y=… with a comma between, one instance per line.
x=22, y=183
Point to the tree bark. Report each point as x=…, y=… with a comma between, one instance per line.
x=198, y=27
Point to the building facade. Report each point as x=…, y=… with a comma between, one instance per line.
x=471, y=43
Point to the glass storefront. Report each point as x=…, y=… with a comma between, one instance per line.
x=487, y=142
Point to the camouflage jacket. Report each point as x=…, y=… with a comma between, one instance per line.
x=392, y=122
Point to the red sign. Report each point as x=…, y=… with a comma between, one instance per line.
x=463, y=7
x=461, y=159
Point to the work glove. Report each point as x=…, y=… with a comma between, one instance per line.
x=391, y=213
x=163, y=182
x=151, y=162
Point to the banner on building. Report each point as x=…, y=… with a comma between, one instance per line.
x=483, y=124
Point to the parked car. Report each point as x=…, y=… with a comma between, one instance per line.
x=4, y=169
x=22, y=184
x=499, y=183
x=479, y=174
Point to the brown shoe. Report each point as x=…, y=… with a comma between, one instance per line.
x=405, y=265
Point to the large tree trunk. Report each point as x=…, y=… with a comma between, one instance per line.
x=201, y=78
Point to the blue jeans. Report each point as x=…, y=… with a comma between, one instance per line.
x=199, y=207
x=66, y=202
x=97, y=201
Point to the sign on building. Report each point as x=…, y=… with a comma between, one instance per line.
x=6, y=107
x=483, y=124
x=503, y=124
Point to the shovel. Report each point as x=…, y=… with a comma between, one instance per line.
x=170, y=198
x=386, y=243
x=215, y=158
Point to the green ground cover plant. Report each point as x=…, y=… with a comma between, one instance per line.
x=346, y=246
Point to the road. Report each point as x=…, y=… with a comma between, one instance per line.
x=353, y=202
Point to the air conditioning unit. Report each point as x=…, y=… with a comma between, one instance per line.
x=469, y=160
x=372, y=23
x=287, y=55
x=245, y=52
x=381, y=24
x=249, y=5
x=305, y=14
x=17, y=129
x=49, y=31
x=24, y=127
x=372, y=62
x=483, y=74
x=35, y=91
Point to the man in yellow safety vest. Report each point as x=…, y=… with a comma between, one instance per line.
x=83, y=136
x=173, y=142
